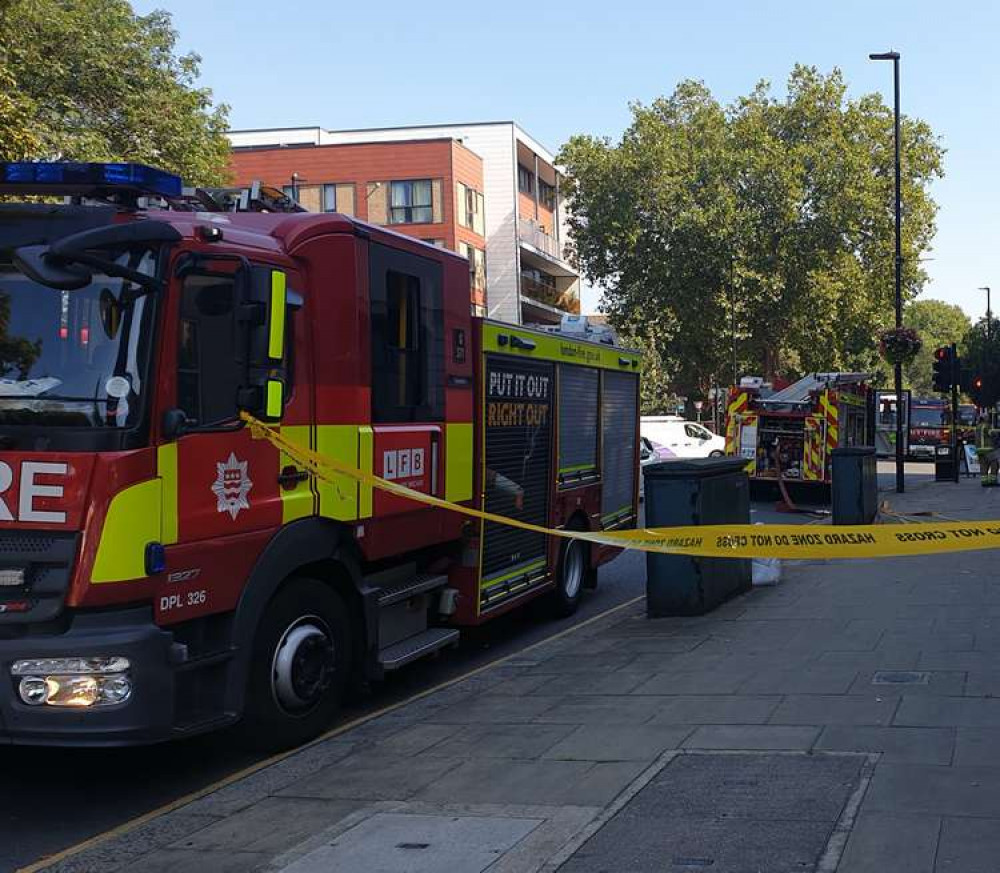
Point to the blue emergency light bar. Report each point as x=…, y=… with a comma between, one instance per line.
x=93, y=179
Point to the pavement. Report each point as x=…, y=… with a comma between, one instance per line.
x=842, y=720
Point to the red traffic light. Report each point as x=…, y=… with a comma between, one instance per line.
x=942, y=353
x=977, y=383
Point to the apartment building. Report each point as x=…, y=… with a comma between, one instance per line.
x=528, y=278
x=428, y=188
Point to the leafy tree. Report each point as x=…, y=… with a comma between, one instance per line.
x=768, y=223
x=982, y=356
x=939, y=324
x=94, y=81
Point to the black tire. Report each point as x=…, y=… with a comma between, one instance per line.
x=300, y=665
x=571, y=576
x=716, y=454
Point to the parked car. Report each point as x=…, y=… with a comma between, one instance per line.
x=686, y=439
x=651, y=453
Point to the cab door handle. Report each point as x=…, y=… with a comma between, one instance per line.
x=291, y=476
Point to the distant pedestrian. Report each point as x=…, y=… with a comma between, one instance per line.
x=988, y=450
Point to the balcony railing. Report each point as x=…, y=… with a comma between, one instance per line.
x=531, y=233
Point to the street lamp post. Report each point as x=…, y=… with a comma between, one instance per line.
x=894, y=57
x=989, y=314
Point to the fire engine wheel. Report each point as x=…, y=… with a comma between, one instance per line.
x=301, y=662
x=570, y=578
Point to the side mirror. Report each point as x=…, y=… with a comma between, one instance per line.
x=175, y=423
x=264, y=314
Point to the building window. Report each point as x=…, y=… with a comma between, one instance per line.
x=546, y=194
x=410, y=202
x=471, y=209
x=323, y=198
x=525, y=180
x=477, y=266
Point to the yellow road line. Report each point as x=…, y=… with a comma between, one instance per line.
x=134, y=823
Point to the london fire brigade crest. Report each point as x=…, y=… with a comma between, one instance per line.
x=232, y=485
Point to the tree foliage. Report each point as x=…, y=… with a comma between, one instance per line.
x=94, y=81
x=981, y=354
x=939, y=324
x=767, y=223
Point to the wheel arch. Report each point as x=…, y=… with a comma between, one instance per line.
x=313, y=547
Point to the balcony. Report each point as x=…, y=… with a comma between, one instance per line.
x=567, y=301
x=531, y=233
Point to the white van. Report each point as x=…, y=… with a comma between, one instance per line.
x=686, y=439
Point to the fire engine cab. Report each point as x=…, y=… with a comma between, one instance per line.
x=164, y=572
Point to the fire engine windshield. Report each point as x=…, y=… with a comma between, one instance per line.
x=928, y=417
x=74, y=358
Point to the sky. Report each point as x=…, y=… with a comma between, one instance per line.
x=560, y=68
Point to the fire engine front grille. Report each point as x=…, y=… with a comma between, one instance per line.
x=46, y=560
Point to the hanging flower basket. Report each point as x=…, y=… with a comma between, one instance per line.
x=900, y=345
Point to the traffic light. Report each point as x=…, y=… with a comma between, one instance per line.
x=976, y=390
x=944, y=369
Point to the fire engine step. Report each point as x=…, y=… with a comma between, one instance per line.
x=395, y=656
x=410, y=588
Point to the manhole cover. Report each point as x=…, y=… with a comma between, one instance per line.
x=900, y=677
x=706, y=812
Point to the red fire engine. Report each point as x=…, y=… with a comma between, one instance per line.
x=790, y=435
x=163, y=572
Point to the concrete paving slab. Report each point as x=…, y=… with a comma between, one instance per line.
x=611, y=683
x=977, y=747
x=948, y=712
x=173, y=860
x=946, y=791
x=707, y=681
x=886, y=843
x=417, y=738
x=940, y=683
x=969, y=846
x=501, y=741
x=827, y=709
x=406, y=843
x=496, y=709
x=518, y=686
x=880, y=659
x=758, y=737
x=801, y=680
x=897, y=745
x=372, y=776
x=149, y=837
x=700, y=709
x=271, y=826
x=584, y=663
x=983, y=683
x=618, y=743
x=579, y=783
x=604, y=710
x=270, y=780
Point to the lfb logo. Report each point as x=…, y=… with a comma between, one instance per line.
x=402, y=464
x=232, y=486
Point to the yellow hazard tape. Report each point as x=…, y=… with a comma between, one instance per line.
x=788, y=541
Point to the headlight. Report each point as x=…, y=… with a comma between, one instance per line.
x=73, y=682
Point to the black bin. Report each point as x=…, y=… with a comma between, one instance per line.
x=695, y=492
x=855, y=485
x=945, y=464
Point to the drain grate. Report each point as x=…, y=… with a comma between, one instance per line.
x=900, y=677
x=726, y=812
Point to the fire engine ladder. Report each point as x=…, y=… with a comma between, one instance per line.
x=405, y=602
